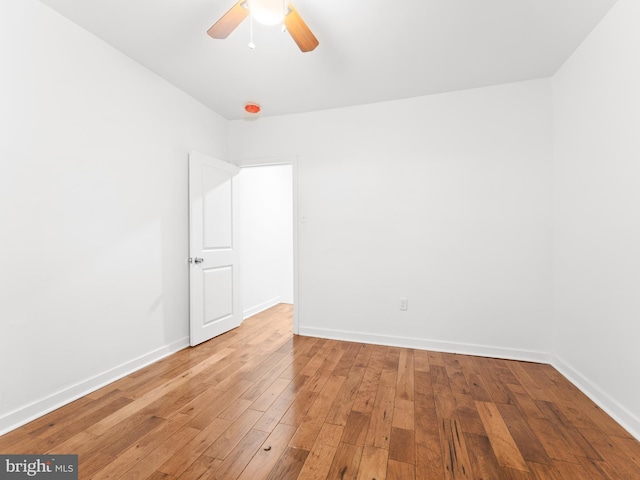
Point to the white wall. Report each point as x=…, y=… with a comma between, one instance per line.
x=93, y=209
x=266, y=212
x=597, y=214
x=445, y=200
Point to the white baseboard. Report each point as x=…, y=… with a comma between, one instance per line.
x=249, y=312
x=424, y=344
x=620, y=414
x=28, y=413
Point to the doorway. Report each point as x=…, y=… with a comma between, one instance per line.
x=269, y=234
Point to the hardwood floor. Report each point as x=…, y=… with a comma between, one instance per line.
x=259, y=403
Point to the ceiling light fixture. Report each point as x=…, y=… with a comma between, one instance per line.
x=267, y=12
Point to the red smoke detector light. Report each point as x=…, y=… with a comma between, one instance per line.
x=252, y=108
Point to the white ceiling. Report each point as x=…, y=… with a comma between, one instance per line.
x=370, y=50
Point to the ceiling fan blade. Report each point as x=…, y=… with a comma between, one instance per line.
x=299, y=31
x=229, y=21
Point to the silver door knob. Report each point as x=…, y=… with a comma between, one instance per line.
x=198, y=260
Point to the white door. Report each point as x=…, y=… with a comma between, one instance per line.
x=214, y=278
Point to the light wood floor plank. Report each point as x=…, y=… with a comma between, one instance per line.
x=503, y=444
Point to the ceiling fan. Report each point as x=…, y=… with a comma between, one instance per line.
x=269, y=12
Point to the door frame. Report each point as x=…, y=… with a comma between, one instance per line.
x=293, y=161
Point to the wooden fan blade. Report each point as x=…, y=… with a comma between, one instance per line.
x=299, y=31
x=229, y=21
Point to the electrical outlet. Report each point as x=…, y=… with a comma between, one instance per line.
x=404, y=304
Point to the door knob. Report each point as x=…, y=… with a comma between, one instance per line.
x=198, y=260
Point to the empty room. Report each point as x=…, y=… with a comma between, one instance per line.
x=319, y=239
